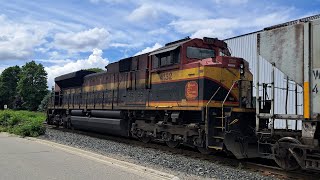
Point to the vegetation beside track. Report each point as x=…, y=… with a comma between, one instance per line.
x=23, y=123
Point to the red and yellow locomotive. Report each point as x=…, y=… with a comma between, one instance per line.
x=188, y=92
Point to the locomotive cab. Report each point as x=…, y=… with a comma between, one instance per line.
x=200, y=76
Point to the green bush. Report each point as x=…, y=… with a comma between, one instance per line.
x=23, y=123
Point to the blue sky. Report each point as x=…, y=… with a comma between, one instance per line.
x=69, y=35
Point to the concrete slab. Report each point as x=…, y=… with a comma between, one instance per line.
x=31, y=158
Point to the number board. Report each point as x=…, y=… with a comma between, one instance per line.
x=166, y=76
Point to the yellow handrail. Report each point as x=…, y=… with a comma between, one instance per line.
x=222, y=111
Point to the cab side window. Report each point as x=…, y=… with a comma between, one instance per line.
x=155, y=62
x=166, y=59
x=199, y=53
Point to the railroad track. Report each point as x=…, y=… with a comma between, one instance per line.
x=268, y=169
x=281, y=174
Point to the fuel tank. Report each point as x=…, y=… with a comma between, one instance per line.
x=106, y=122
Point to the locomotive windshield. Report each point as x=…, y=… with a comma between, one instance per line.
x=199, y=53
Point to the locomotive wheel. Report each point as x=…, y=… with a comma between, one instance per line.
x=69, y=123
x=283, y=157
x=145, y=139
x=205, y=151
x=65, y=124
x=173, y=144
x=64, y=121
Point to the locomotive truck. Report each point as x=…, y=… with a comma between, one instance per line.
x=190, y=92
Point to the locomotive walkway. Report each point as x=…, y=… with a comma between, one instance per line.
x=30, y=158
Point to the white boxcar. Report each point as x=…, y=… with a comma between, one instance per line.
x=245, y=46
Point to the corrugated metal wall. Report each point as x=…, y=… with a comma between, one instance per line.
x=246, y=47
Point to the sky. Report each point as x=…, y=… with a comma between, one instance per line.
x=66, y=36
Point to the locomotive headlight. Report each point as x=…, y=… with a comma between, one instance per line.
x=241, y=69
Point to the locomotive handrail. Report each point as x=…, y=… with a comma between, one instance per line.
x=222, y=114
x=212, y=97
x=206, y=117
x=229, y=92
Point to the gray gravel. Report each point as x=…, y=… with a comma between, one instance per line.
x=179, y=165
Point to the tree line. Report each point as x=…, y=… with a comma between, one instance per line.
x=23, y=87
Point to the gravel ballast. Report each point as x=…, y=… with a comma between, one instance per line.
x=179, y=165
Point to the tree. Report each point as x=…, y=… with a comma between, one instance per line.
x=32, y=86
x=8, y=86
x=95, y=69
x=44, y=103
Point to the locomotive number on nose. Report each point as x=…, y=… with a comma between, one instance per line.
x=166, y=76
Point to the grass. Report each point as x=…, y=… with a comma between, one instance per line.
x=23, y=123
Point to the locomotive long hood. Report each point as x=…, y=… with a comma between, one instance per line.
x=73, y=79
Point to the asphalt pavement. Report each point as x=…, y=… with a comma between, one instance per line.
x=24, y=159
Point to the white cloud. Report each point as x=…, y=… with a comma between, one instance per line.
x=227, y=27
x=54, y=61
x=95, y=60
x=70, y=31
x=158, y=31
x=272, y=18
x=152, y=10
x=207, y=27
x=144, y=12
x=108, y=1
x=149, y=49
x=211, y=32
x=82, y=41
x=125, y=45
x=18, y=40
x=22, y=39
x=230, y=2
x=54, y=55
